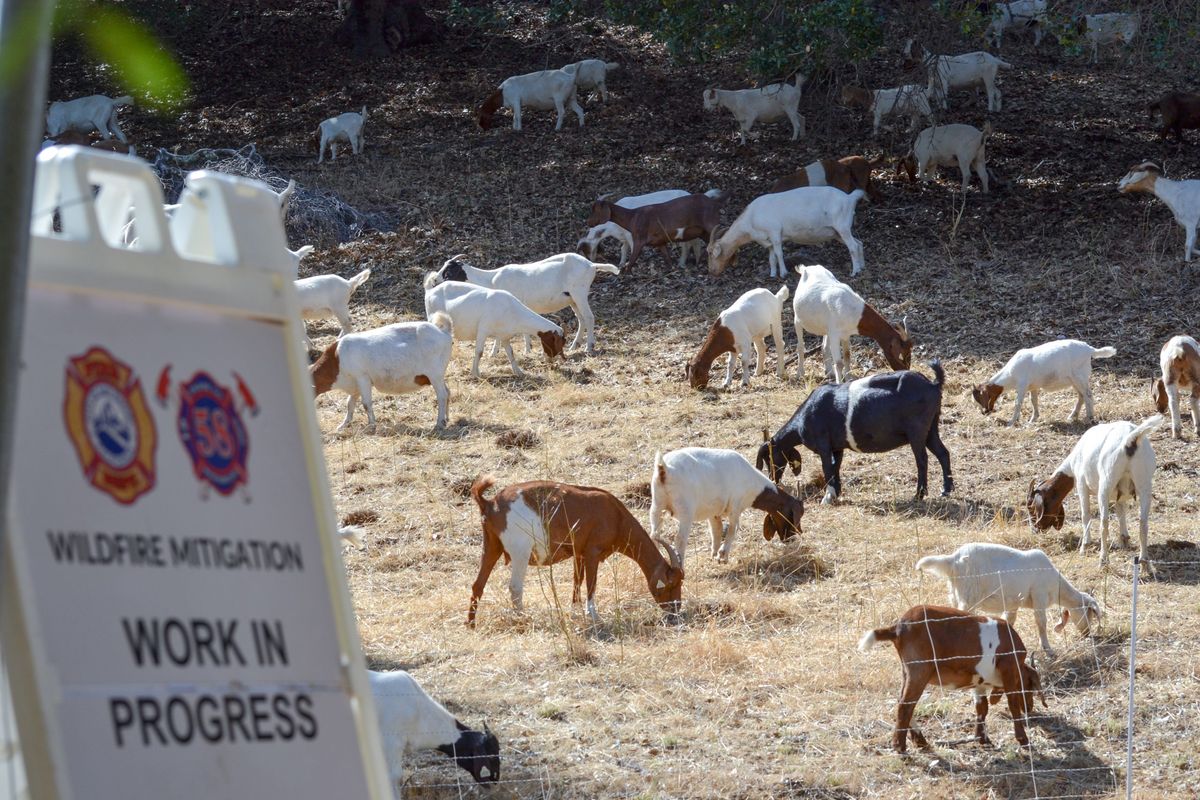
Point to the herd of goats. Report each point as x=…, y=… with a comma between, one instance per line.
x=538, y=523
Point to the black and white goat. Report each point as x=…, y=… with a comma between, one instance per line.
x=868, y=415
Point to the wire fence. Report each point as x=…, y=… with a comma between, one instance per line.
x=1083, y=744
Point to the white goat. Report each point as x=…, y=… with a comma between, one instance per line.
x=348, y=126
x=1182, y=197
x=591, y=74
x=324, y=296
x=1101, y=29
x=947, y=146
x=912, y=100
x=742, y=329
x=1180, y=365
x=770, y=103
x=825, y=306
x=541, y=91
x=589, y=243
x=985, y=578
x=696, y=483
x=86, y=114
x=1053, y=365
x=808, y=215
x=481, y=313
x=1014, y=16
x=545, y=286
x=963, y=71
x=1114, y=462
x=394, y=359
x=409, y=719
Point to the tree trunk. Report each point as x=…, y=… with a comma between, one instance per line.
x=375, y=28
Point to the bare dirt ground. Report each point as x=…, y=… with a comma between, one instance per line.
x=760, y=692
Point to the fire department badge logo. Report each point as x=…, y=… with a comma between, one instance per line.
x=109, y=423
x=212, y=431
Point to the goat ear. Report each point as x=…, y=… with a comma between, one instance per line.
x=1058, y=523
x=1032, y=488
x=768, y=528
x=1066, y=617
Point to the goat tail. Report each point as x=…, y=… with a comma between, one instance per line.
x=1135, y=436
x=876, y=637
x=782, y=294
x=1103, y=352
x=441, y=320
x=352, y=534
x=431, y=280
x=938, y=372
x=935, y=565
x=1003, y=64
x=611, y=269
x=611, y=65
x=660, y=469
x=123, y=100
x=359, y=279
x=481, y=485
x=856, y=195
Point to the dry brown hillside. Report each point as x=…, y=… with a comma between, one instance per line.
x=760, y=692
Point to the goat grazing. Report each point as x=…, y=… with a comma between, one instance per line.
x=324, y=296
x=1114, y=462
x=995, y=579
x=868, y=415
x=394, y=359
x=86, y=114
x=809, y=215
x=545, y=286
x=742, y=329
x=962, y=72
x=409, y=719
x=1017, y=15
x=600, y=230
x=1053, y=365
x=1182, y=197
x=956, y=651
x=825, y=306
x=946, y=146
x=539, y=523
x=771, y=103
x=696, y=483
x=591, y=74
x=693, y=216
x=480, y=313
x=1098, y=29
x=540, y=91
x=348, y=127
x=1179, y=111
x=847, y=174
x=910, y=100
x=1180, y=364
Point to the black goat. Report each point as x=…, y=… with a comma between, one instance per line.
x=868, y=415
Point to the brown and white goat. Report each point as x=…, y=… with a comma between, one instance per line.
x=678, y=220
x=1179, y=110
x=1180, y=364
x=847, y=174
x=955, y=650
x=742, y=330
x=538, y=523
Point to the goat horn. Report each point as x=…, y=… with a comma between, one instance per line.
x=904, y=324
x=453, y=258
x=602, y=198
x=672, y=555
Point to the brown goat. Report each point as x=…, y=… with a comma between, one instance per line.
x=1180, y=364
x=84, y=140
x=847, y=174
x=1179, y=110
x=679, y=220
x=539, y=523
x=956, y=650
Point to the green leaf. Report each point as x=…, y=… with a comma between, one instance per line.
x=144, y=68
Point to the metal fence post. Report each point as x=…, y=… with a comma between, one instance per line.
x=1137, y=567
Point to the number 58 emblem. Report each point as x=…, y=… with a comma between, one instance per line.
x=212, y=431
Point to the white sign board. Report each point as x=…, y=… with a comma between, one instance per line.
x=189, y=623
